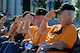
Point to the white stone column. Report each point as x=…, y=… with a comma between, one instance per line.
x=49, y=4
x=18, y=7
x=33, y=5
x=1, y=6
x=4, y=5
x=11, y=7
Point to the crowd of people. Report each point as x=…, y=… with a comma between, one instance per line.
x=31, y=31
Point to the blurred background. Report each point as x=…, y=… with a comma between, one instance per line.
x=16, y=7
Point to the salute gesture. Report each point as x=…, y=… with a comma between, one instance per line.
x=49, y=15
x=44, y=22
x=3, y=19
x=29, y=17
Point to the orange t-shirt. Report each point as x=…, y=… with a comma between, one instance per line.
x=32, y=31
x=68, y=35
x=12, y=35
x=36, y=37
x=7, y=34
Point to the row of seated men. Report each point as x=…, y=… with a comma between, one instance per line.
x=30, y=30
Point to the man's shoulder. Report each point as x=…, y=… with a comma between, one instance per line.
x=71, y=26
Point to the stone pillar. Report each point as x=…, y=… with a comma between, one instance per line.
x=49, y=4
x=1, y=6
x=11, y=8
x=18, y=7
x=4, y=5
x=33, y=5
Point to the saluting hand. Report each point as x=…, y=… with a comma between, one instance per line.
x=29, y=17
x=49, y=15
x=3, y=20
x=18, y=19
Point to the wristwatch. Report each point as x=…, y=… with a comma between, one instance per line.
x=42, y=48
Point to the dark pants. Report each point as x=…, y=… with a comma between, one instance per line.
x=10, y=47
x=3, y=46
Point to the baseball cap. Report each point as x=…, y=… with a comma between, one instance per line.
x=1, y=16
x=33, y=14
x=65, y=6
x=27, y=12
x=13, y=19
x=41, y=11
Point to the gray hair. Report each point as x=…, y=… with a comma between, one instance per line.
x=72, y=13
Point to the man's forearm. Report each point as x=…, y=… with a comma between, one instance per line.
x=58, y=45
x=43, y=26
x=26, y=25
x=1, y=25
x=19, y=29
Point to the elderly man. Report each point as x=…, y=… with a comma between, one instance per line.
x=62, y=35
x=2, y=21
x=32, y=33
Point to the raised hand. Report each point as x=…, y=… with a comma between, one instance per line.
x=29, y=17
x=49, y=15
x=3, y=20
x=18, y=19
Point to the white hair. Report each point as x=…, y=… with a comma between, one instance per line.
x=72, y=13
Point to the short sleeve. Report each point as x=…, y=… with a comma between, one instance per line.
x=69, y=36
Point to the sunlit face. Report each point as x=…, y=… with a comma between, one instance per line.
x=63, y=17
x=37, y=20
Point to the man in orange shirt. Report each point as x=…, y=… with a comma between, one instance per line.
x=62, y=35
x=32, y=32
x=2, y=22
